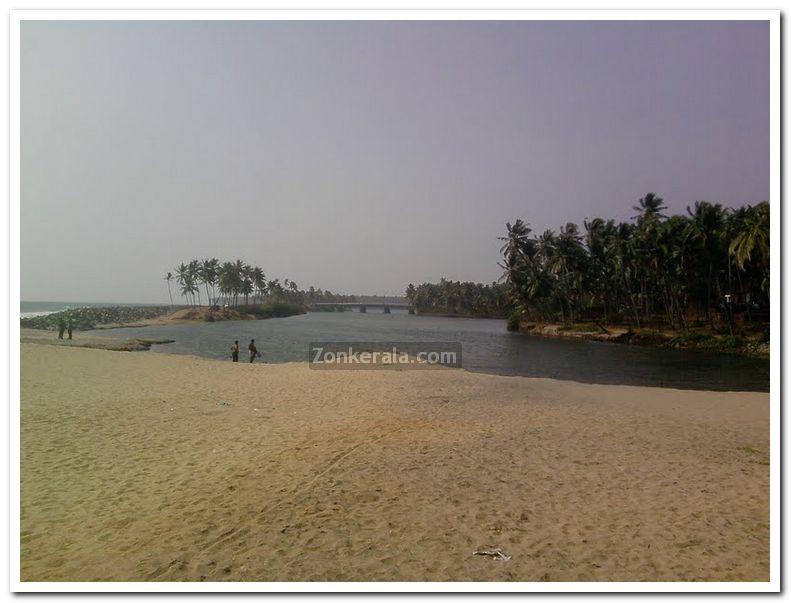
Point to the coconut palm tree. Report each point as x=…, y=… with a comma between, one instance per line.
x=208, y=274
x=704, y=232
x=227, y=280
x=650, y=206
x=246, y=288
x=194, y=276
x=184, y=280
x=655, y=268
x=259, y=282
x=514, y=243
x=276, y=289
x=168, y=278
x=751, y=242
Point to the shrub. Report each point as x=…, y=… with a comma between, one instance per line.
x=273, y=310
x=580, y=327
x=731, y=342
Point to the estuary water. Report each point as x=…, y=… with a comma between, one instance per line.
x=486, y=347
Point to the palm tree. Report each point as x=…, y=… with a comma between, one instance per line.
x=184, y=280
x=276, y=289
x=650, y=206
x=656, y=268
x=752, y=239
x=565, y=262
x=246, y=280
x=168, y=278
x=704, y=231
x=293, y=296
x=259, y=282
x=227, y=280
x=194, y=276
x=240, y=269
x=597, y=233
x=514, y=243
x=247, y=287
x=208, y=274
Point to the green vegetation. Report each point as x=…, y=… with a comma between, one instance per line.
x=581, y=327
x=460, y=299
x=224, y=283
x=273, y=310
x=513, y=321
x=707, y=268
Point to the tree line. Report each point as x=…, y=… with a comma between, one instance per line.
x=461, y=299
x=229, y=282
x=710, y=264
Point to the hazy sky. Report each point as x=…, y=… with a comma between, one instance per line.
x=362, y=156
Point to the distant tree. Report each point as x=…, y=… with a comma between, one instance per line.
x=184, y=278
x=650, y=206
x=259, y=282
x=208, y=272
x=228, y=281
x=751, y=241
x=168, y=278
x=704, y=232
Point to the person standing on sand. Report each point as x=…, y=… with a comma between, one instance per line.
x=69, y=328
x=253, y=350
x=235, y=351
x=61, y=328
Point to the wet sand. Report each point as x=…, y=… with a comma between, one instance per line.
x=147, y=466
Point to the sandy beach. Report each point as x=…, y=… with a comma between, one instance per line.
x=146, y=466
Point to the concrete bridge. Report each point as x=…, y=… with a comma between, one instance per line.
x=363, y=306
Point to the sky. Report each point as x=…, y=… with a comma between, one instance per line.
x=363, y=156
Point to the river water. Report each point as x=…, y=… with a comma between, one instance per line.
x=486, y=347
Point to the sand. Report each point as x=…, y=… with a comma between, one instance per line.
x=81, y=340
x=146, y=466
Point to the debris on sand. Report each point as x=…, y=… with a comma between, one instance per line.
x=493, y=553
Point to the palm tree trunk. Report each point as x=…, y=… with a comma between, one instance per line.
x=631, y=301
x=708, y=298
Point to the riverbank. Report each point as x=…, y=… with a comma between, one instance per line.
x=748, y=344
x=162, y=467
x=206, y=314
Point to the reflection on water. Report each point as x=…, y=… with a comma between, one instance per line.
x=487, y=347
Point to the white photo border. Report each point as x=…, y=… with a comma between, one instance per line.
x=15, y=20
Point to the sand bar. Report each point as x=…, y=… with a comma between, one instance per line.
x=146, y=466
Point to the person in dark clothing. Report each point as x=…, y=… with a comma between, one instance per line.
x=61, y=328
x=253, y=350
x=235, y=351
x=69, y=328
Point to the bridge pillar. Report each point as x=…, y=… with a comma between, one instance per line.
x=363, y=309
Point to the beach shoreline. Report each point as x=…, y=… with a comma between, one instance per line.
x=139, y=467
